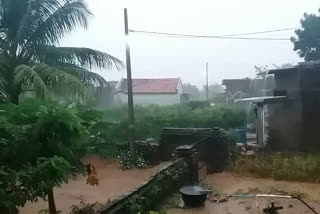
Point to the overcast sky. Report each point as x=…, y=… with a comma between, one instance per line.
x=158, y=57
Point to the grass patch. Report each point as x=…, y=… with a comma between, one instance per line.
x=282, y=166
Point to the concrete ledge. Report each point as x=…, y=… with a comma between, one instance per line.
x=151, y=191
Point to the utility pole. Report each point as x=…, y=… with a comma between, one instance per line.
x=129, y=85
x=207, y=82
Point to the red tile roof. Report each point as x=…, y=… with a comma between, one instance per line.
x=151, y=86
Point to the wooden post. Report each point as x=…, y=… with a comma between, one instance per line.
x=129, y=85
x=260, y=124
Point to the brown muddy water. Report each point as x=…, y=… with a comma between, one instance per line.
x=113, y=183
x=227, y=183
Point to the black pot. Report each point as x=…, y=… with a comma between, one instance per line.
x=193, y=196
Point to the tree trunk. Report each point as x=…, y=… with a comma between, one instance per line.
x=52, y=205
x=13, y=90
x=14, y=98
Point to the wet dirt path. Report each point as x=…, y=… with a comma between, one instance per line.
x=113, y=183
x=227, y=183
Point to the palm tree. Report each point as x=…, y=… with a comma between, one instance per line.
x=30, y=55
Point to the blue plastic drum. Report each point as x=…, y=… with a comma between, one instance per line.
x=242, y=135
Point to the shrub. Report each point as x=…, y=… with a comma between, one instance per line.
x=111, y=126
x=83, y=208
x=41, y=147
x=282, y=166
x=151, y=119
x=128, y=161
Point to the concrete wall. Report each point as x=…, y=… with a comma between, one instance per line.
x=310, y=94
x=148, y=99
x=285, y=118
x=294, y=125
x=285, y=125
x=147, y=196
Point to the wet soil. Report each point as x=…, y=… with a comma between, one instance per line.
x=227, y=183
x=113, y=183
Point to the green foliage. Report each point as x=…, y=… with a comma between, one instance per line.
x=128, y=161
x=232, y=136
x=30, y=56
x=192, y=90
x=164, y=183
x=152, y=212
x=107, y=128
x=83, y=208
x=41, y=148
x=198, y=104
x=150, y=120
x=307, y=40
x=101, y=140
x=283, y=166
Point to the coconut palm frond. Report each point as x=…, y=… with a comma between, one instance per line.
x=61, y=83
x=36, y=11
x=12, y=12
x=25, y=75
x=29, y=32
x=3, y=84
x=71, y=14
x=87, y=77
x=85, y=57
x=3, y=45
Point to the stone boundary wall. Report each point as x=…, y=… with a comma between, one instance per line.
x=146, y=196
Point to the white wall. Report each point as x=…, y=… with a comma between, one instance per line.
x=180, y=87
x=148, y=99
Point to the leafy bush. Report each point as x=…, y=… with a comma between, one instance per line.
x=198, y=104
x=282, y=166
x=128, y=161
x=111, y=126
x=41, y=148
x=163, y=183
x=83, y=208
x=151, y=119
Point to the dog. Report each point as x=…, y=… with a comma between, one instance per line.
x=92, y=175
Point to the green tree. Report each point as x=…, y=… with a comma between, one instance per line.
x=192, y=90
x=41, y=148
x=30, y=55
x=307, y=42
x=213, y=89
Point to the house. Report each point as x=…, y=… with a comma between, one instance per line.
x=166, y=91
x=113, y=84
x=240, y=88
x=294, y=124
x=289, y=120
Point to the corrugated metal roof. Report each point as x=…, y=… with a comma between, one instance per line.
x=150, y=86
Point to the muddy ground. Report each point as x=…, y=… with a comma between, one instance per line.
x=113, y=183
x=227, y=183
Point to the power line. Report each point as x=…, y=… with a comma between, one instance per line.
x=150, y=33
x=231, y=36
x=261, y=32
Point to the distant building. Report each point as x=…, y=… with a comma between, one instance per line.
x=113, y=84
x=242, y=88
x=167, y=91
x=289, y=120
